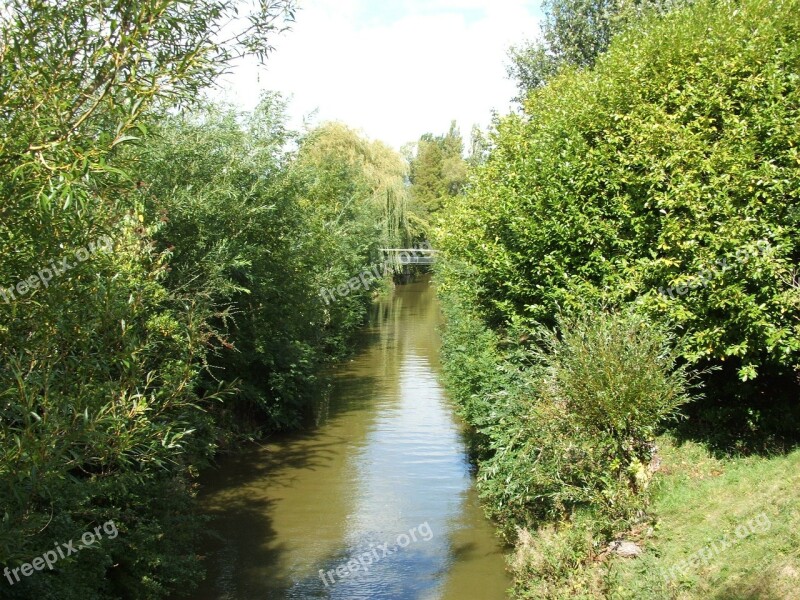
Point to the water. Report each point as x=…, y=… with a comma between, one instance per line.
x=383, y=478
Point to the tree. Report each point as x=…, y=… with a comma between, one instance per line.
x=356, y=182
x=621, y=188
x=99, y=360
x=575, y=33
x=480, y=147
x=438, y=170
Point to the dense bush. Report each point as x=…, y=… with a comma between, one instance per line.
x=257, y=231
x=565, y=421
x=663, y=167
x=579, y=432
x=476, y=370
x=615, y=374
x=661, y=184
x=98, y=359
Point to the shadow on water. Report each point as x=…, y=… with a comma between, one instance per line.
x=241, y=521
x=386, y=458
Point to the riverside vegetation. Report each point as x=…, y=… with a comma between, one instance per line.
x=200, y=325
x=653, y=139
x=650, y=143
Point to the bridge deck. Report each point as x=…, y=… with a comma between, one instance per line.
x=410, y=256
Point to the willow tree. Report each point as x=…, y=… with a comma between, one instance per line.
x=359, y=183
x=97, y=358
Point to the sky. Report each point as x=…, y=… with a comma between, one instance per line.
x=394, y=69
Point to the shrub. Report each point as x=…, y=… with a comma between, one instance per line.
x=580, y=435
x=475, y=369
x=674, y=157
x=614, y=373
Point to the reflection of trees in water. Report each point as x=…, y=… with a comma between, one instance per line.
x=262, y=493
x=407, y=323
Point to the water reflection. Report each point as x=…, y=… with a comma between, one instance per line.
x=386, y=460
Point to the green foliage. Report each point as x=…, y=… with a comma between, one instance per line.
x=661, y=183
x=616, y=374
x=674, y=153
x=565, y=424
x=97, y=411
x=98, y=405
x=119, y=375
x=472, y=355
x=258, y=231
x=577, y=431
x=78, y=77
x=575, y=33
x=438, y=169
x=355, y=184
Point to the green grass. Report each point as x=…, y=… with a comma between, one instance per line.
x=698, y=500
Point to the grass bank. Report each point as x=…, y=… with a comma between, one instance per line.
x=700, y=545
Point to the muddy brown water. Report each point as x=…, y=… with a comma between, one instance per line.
x=376, y=502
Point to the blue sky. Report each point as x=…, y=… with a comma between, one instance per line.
x=393, y=68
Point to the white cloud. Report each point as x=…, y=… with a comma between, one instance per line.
x=395, y=70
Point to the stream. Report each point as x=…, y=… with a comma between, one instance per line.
x=376, y=502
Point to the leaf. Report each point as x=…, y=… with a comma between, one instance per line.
x=124, y=138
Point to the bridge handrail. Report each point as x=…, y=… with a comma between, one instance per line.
x=429, y=250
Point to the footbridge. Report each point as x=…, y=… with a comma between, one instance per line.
x=400, y=257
